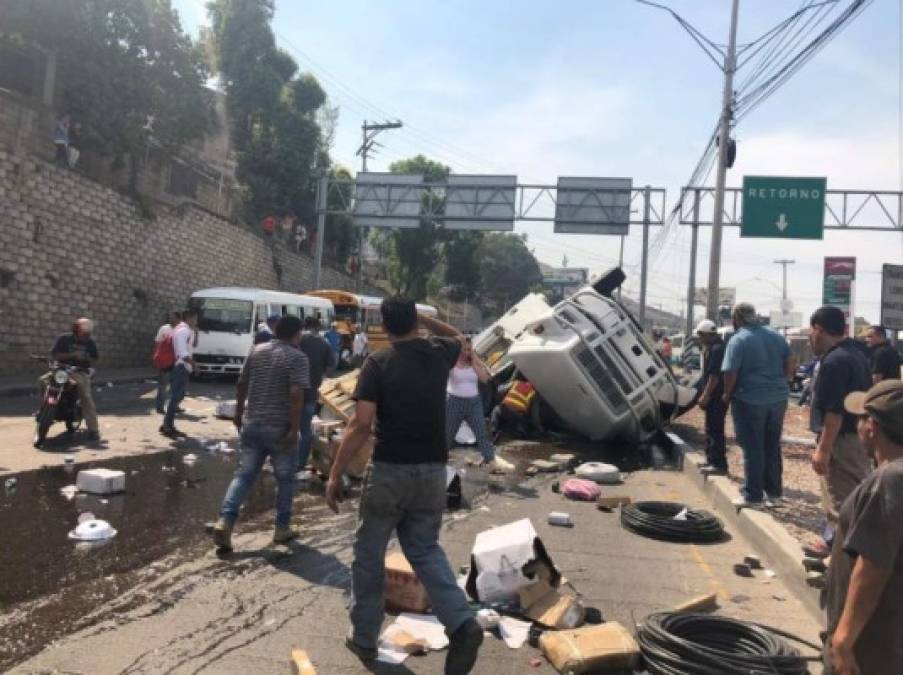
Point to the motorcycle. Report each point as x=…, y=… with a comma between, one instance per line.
x=59, y=400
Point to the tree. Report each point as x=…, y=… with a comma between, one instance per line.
x=121, y=64
x=413, y=253
x=462, y=264
x=273, y=111
x=508, y=270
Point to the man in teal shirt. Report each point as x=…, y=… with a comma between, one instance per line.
x=757, y=368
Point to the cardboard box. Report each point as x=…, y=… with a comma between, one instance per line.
x=549, y=607
x=602, y=648
x=100, y=481
x=403, y=590
x=323, y=452
x=613, y=501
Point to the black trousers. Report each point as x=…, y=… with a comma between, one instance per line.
x=716, y=445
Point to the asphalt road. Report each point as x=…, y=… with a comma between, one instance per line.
x=128, y=425
x=245, y=613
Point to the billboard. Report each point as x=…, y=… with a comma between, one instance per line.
x=387, y=200
x=480, y=202
x=892, y=297
x=593, y=205
x=727, y=297
x=838, y=284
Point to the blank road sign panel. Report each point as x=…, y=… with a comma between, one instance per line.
x=593, y=205
x=480, y=202
x=783, y=207
x=892, y=297
x=387, y=200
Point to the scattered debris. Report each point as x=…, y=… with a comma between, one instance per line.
x=69, y=492
x=608, y=646
x=190, y=458
x=771, y=574
x=609, y=502
x=403, y=590
x=564, y=460
x=742, y=570
x=593, y=616
x=754, y=562
x=544, y=466
x=488, y=619
x=581, y=489
x=514, y=631
x=100, y=481
x=561, y=519
x=545, y=605
x=535, y=662
x=779, y=597
x=702, y=603
x=607, y=474
x=68, y=459
x=92, y=530
x=225, y=410
x=465, y=435
x=739, y=599
x=11, y=483
x=301, y=664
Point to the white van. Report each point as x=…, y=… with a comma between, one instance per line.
x=228, y=319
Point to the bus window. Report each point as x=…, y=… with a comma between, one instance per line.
x=224, y=315
x=293, y=310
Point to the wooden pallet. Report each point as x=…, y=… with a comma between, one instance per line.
x=335, y=395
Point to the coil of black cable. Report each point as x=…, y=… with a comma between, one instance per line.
x=657, y=520
x=675, y=643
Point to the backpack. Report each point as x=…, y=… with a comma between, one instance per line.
x=164, y=354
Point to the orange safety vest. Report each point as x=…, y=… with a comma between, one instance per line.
x=519, y=397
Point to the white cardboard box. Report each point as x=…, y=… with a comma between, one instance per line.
x=100, y=481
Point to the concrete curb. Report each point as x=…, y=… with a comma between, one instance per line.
x=779, y=550
x=101, y=380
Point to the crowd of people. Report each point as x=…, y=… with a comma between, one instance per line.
x=856, y=415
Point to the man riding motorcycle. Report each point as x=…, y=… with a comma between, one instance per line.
x=78, y=349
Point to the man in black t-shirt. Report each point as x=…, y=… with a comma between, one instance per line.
x=78, y=349
x=322, y=361
x=840, y=459
x=885, y=360
x=403, y=390
x=711, y=399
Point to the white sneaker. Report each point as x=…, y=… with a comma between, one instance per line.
x=499, y=465
x=741, y=503
x=774, y=502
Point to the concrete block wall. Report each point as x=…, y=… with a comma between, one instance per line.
x=72, y=247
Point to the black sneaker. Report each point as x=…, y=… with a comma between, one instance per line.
x=171, y=432
x=363, y=653
x=93, y=436
x=463, y=646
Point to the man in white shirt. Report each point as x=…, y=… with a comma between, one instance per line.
x=182, y=344
x=358, y=347
x=172, y=321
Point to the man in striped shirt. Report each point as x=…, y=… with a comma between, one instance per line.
x=272, y=381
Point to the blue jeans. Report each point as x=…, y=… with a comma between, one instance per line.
x=162, y=388
x=178, y=383
x=307, y=433
x=259, y=441
x=468, y=410
x=410, y=499
x=758, y=429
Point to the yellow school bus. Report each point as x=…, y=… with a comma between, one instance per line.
x=351, y=309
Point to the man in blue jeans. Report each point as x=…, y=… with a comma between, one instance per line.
x=182, y=345
x=273, y=380
x=321, y=360
x=402, y=388
x=757, y=368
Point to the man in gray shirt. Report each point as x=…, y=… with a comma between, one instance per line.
x=864, y=594
x=273, y=381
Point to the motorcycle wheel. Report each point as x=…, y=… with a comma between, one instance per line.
x=45, y=419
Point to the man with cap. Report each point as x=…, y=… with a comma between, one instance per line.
x=266, y=332
x=711, y=398
x=864, y=593
x=840, y=458
x=757, y=368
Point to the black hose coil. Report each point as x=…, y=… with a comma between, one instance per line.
x=676, y=643
x=656, y=520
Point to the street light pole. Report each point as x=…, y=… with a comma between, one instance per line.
x=783, y=262
x=724, y=128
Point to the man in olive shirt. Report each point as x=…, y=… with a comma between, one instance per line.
x=864, y=594
x=402, y=388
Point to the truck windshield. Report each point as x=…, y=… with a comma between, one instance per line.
x=349, y=313
x=223, y=314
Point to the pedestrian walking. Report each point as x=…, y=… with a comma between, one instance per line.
x=711, y=400
x=840, y=459
x=183, y=341
x=864, y=592
x=320, y=362
x=266, y=331
x=172, y=320
x=402, y=388
x=359, y=347
x=272, y=381
x=884, y=359
x=757, y=368
x=334, y=338
x=465, y=404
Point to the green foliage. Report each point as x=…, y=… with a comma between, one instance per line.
x=119, y=62
x=462, y=264
x=508, y=270
x=273, y=112
x=341, y=236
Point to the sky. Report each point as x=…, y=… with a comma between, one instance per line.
x=615, y=88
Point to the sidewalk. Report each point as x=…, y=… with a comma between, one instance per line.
x=23, y=385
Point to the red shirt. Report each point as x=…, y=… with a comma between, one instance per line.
x=268, y=224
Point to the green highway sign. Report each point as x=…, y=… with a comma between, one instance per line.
x=783, y=207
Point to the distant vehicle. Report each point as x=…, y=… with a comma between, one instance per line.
x=351, y=309
x=685, y=351
x=228, y=319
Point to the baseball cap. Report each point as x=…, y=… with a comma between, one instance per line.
x=884, y=402
x=706, y=326
x=273, y=318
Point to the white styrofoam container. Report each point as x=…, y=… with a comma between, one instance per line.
x=100, y=481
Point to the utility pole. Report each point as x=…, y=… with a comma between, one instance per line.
x=724, y=131
x=783, y=262
x=644, y=269
x=369, y=132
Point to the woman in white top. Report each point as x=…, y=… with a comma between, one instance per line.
x=465, y=405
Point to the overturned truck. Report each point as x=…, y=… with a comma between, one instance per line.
x=589, y=361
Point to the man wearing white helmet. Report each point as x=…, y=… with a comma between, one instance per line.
x=78, y=349
x=711, y=398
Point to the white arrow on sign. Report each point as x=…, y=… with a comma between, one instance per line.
x=782, y=223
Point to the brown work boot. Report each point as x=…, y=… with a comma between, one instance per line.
x=222, y=535
x=284, y=534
